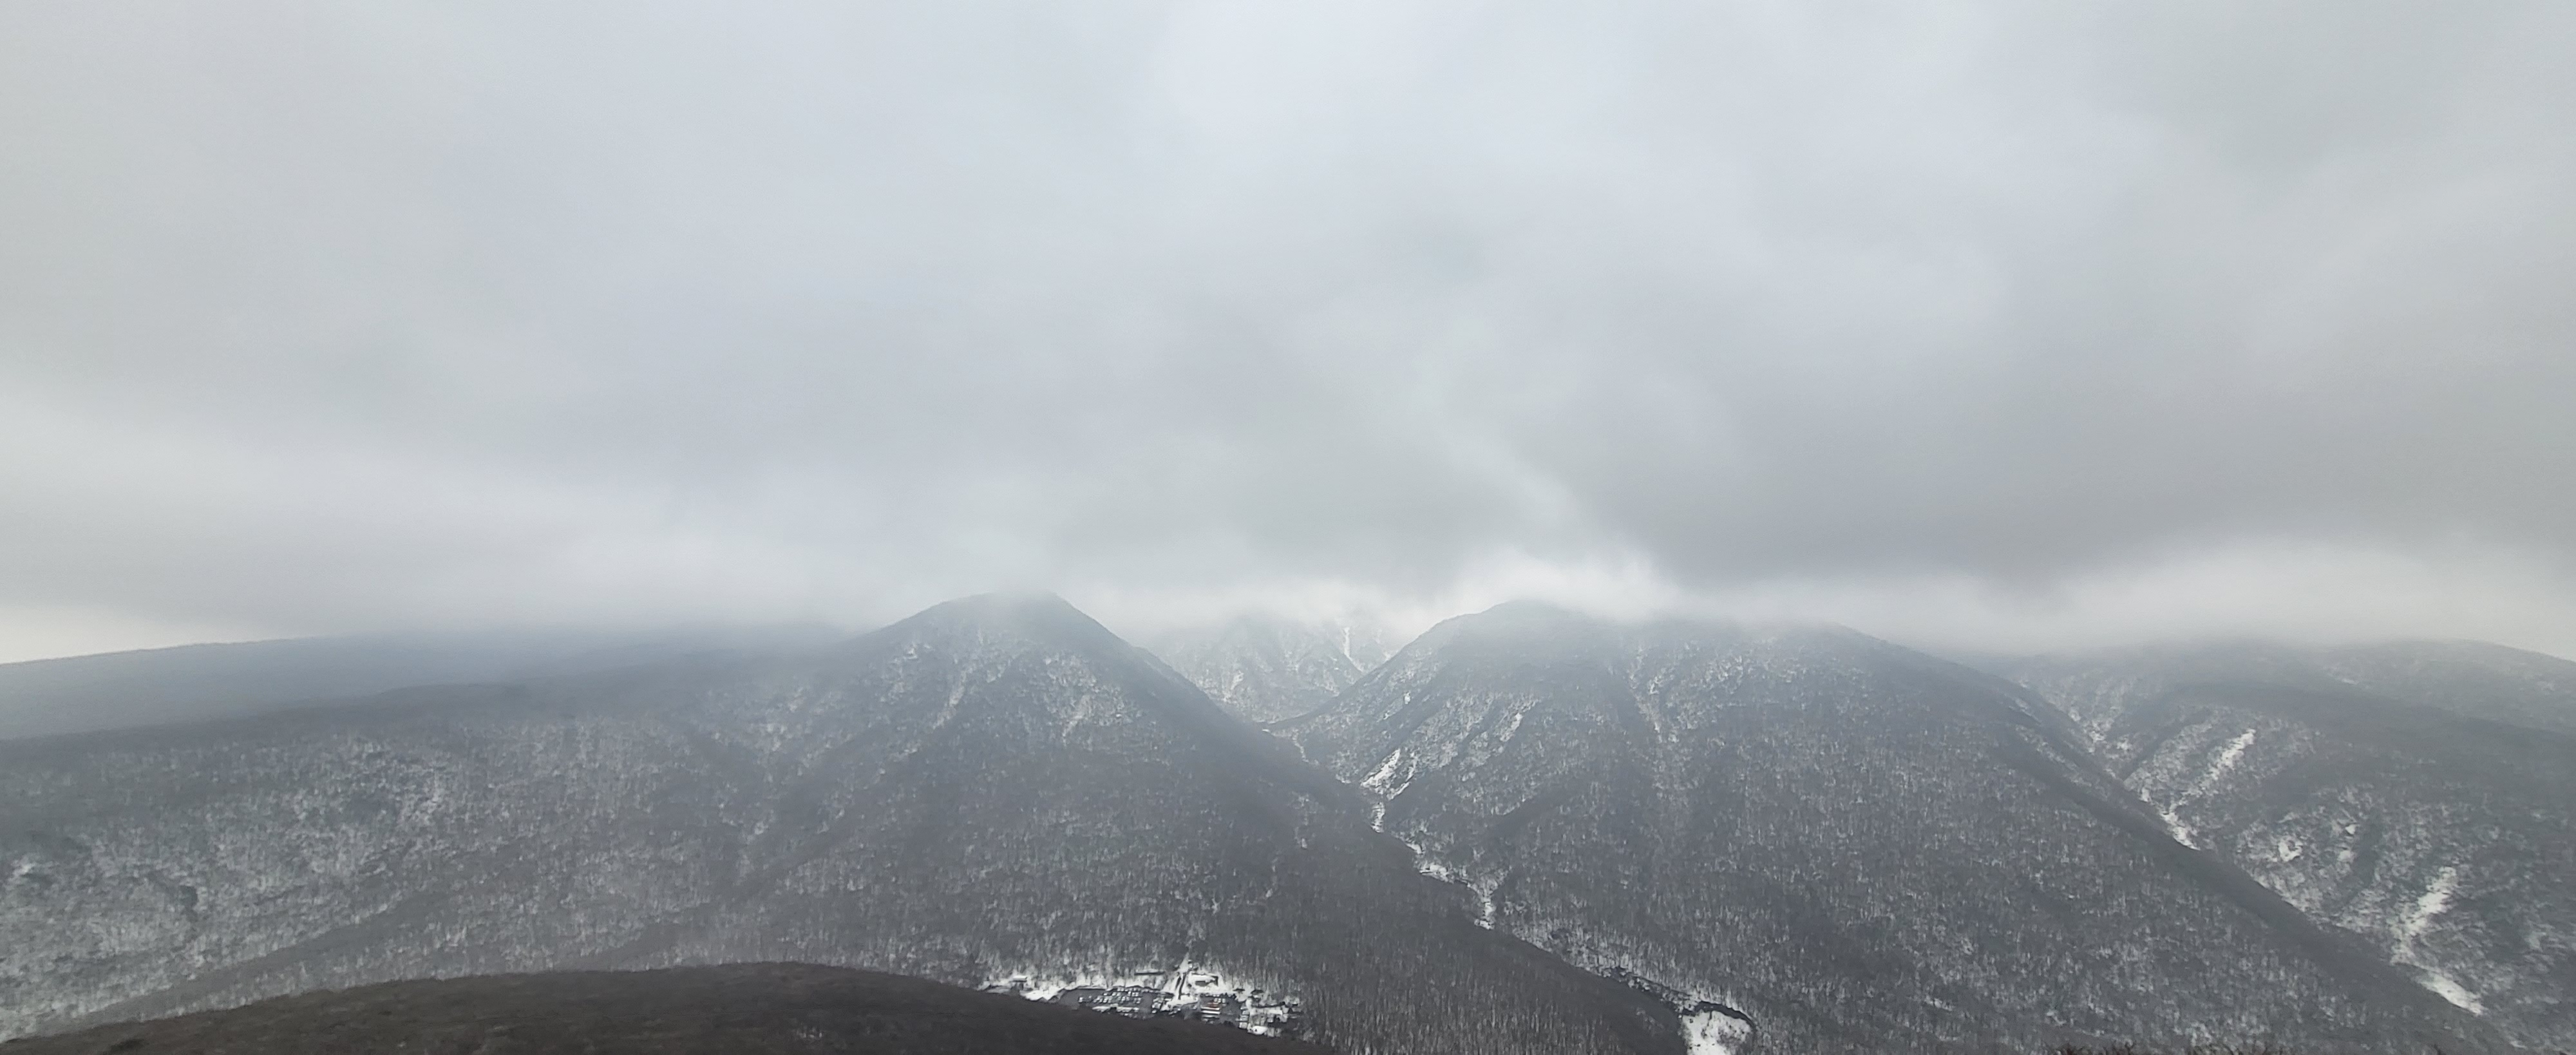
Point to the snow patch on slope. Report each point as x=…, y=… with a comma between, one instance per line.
x=1381, y=778
x=2227, y=758
x=2182, y=833
x=1485, y=900
x=2410, y=930
x=1383, y=786
x=1714, y=1031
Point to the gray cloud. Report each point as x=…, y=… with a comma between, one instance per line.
x=2000, y=324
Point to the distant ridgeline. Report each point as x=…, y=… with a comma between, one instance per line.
x=1526, y=832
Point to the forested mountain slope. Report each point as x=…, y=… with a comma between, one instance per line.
x=1857, y=846
x=995, y=787
x=2420, y=797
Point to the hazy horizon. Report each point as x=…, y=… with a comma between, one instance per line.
x=2004, y=327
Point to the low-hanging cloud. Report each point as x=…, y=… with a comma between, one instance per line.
x=2008, y=325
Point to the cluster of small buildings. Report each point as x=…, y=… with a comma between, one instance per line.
x=1179, y=994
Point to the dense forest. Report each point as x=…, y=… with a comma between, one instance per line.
x=1528, y=831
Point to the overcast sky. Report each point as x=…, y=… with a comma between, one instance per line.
x=1977, y=326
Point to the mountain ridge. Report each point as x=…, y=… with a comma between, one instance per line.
x=997, y=787
x=1616, y=836
x=1557, y=766
x=2436, y=833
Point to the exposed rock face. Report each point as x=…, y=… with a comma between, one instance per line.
x=994, y=787
x=2419, y=797
x=1266, y=669
x=1855, y=846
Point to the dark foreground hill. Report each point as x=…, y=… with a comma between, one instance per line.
x=745, y=1009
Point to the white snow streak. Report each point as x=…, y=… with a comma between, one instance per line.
x=2181, y=832
x=1485, y=908
x=2227, y=758
x=1377, y=779
x=2412, y=927
x=1382, y=785
x=2436, y=900
x=2220, y=764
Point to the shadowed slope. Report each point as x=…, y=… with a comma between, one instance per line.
x=748, y=1009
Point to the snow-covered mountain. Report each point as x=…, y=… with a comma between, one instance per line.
x=1833, y=843
x=2419, y=796
x=995, y=791
x=1264, y=668
x=1621, y=838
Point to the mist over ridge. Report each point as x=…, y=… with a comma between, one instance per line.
x=1525, y=527
x=1992, y=327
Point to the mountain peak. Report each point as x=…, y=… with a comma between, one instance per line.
x=1524, y=621
x=1553, y=765
x=1037, y=617
x=1011, y=604
x=1530, y=611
